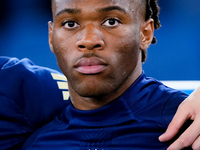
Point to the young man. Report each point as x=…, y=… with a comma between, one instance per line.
x=100, y=47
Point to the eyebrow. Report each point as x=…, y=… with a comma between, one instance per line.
x=69, y=10
x=101, y=10
x=111, y=8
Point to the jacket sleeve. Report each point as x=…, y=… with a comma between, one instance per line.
x=30, y=96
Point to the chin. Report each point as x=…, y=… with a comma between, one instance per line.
x=92, y=91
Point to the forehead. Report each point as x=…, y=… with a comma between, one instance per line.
x=92, y=5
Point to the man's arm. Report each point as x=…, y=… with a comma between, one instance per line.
x=188, y=109
x=30, y=97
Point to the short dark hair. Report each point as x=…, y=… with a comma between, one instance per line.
x=152, y=11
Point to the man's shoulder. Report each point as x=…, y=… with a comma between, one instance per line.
x=149, y=90
x=30, y=96
x=167, y=98
x=152, y=100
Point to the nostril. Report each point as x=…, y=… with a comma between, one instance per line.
x=96, y=46
x=81, y=46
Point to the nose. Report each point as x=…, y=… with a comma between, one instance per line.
x=90, y=38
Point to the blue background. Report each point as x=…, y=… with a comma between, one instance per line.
x=176, y=56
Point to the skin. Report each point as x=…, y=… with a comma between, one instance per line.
x=98, y=47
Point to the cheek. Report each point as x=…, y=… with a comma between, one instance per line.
x=127, y=41
x=128, y=50
x=63, y=51
x=60, y=43
x=126, y=56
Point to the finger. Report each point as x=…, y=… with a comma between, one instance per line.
x=188, y=137
x=177, y=122
x=196, y=144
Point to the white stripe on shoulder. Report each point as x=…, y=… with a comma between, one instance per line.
x=58, y=77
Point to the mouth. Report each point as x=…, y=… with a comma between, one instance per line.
x=89, y=66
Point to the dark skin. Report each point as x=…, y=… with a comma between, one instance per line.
x=98, y=47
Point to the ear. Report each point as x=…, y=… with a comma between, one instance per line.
x=50, y=24
x=146, y=34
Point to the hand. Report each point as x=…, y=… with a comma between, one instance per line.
x=188, y=109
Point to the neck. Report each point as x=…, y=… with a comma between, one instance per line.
x=90, y=103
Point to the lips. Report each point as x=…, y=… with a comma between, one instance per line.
x=92, y=65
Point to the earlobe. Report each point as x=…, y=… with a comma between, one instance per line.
x=146, y=34
x=50, y=24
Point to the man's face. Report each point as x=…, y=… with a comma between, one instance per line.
x=97, y=44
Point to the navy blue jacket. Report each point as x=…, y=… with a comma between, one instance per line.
x=134, y=121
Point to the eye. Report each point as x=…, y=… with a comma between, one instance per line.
x=70, y=24
x=112, y=22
